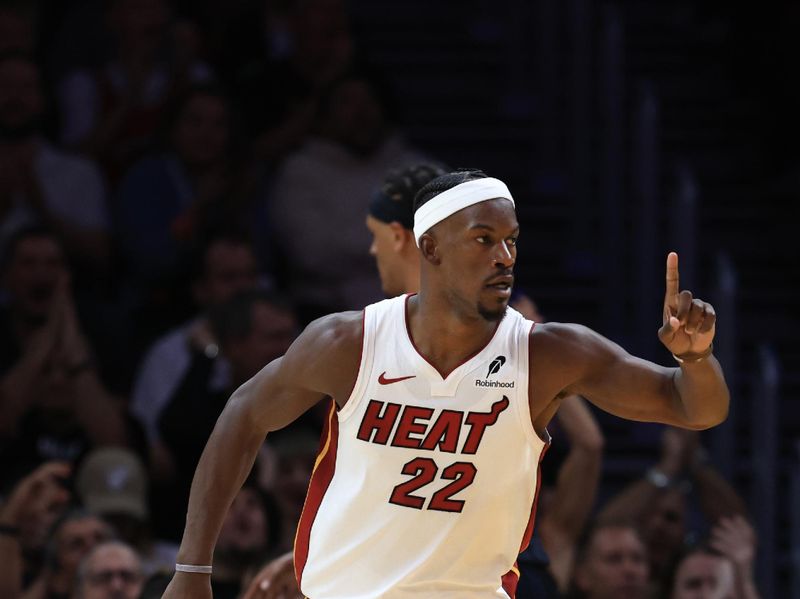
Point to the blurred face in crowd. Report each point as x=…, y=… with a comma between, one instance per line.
x=111, y=571
x=704, y=576
x=664, y=529
x=32, y=276
x=323, y=46
x=229, y=268
x=272, y=331
x=615, y=566
x=140, y=25
x=21, y=100
x=16, y=32
x=295, y=463
x=75, y=539
x=354, y=117
x=201, y=134
x=244, y=530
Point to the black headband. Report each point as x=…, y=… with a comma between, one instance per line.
x=390, y=209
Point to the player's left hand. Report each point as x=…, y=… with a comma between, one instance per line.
x=689, y=324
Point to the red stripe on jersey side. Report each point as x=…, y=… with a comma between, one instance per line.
x=511, y=578
x=321, y=478
x=511, y=581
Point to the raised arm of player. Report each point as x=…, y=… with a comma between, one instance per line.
x=573, y=359
x=322, y=361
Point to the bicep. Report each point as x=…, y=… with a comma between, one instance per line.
x=619, y=383
x=278, y=396
x=323, y=361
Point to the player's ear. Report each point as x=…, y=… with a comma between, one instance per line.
x=429, y=248
x=400, y=236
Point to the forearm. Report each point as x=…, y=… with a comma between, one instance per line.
x=701, y=395
x=745, y=586
x=10, y=557
x=579, y=475
x=580, y=425
x=223, y=467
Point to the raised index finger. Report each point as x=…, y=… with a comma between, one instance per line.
x=673, y=282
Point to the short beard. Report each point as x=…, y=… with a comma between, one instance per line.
x=492, y=315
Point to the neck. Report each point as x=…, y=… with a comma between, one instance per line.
x=445, y=335
x=411, y=278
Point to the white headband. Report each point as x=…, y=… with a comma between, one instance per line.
x=457, y=198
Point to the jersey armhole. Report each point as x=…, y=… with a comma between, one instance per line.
x=364, y=365
x=524, y=407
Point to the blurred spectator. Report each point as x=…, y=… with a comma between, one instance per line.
x=112, y=112
x=169, y=202
x=326, y=186
x=155, y=585
x=53, y=405
x=111, y=482
x=611, y=564
x=657, y=504
x=112, y=570
x=16, y=30
x=721, y=570
x=252, y=328
x=277, y=60
x=295, y=452
x=226, y=267
x=26, y=518
x=250, y=535
x=73, y=537
x=41, y=184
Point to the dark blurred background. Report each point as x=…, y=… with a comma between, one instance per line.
x=624, y=129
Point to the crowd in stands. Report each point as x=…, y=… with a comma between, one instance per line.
x=183, y=187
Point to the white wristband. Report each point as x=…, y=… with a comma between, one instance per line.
x=192, y=569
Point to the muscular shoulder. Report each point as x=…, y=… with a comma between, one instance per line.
x=328, y=352
x=558, y=338
x=338, y=333
x=566, y=351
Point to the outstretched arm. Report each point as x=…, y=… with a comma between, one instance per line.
x=322, y=361
x=570, y=359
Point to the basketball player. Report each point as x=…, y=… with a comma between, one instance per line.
x=426, y=480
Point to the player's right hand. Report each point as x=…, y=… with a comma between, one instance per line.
x=186, y=585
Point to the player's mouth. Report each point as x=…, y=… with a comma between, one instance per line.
x=501, y=285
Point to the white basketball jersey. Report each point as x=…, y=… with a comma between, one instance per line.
x=424, y=487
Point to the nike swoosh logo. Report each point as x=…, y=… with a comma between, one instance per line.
x=385, y=381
